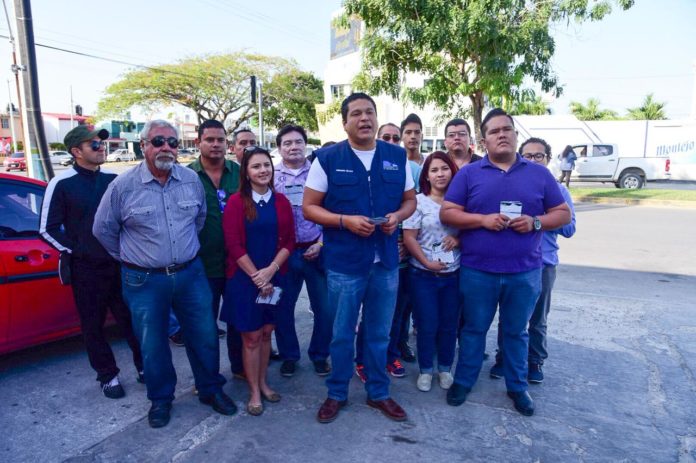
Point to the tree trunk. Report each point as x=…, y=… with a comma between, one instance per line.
x=477, y=111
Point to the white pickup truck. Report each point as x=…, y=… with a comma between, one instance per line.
x=601, y=162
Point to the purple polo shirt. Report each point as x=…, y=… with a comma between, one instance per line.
x=479, y=188
x=305, y=231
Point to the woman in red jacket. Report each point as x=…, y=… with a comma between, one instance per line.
x=259, y=236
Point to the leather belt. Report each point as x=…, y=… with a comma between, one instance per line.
x=169, y=270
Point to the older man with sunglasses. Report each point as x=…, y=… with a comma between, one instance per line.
x=149, y=220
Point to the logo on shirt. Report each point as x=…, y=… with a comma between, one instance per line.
x=344, y=170
x=386, y=165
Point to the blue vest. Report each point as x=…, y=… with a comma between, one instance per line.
x=350, y=193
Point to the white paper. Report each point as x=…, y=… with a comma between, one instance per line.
x=271, y=299
x=511, y=209
x=440, y=255
x=295, y=194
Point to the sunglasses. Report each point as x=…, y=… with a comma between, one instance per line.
x=160, y=140
x=96, y=144
x=535, y=156
x=394, y=138
x=254, y=150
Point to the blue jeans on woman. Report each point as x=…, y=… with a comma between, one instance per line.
x=483, y=292
x=376, y=292
x=436, y=310
x=150, y=296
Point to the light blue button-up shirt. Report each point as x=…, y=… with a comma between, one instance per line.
x=142, y=222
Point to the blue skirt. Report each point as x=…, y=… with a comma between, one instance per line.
x=239, y=305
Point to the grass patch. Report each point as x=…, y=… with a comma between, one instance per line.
x=669, y=195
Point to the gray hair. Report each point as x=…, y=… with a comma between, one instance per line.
x=154, y=124
x=233, y=140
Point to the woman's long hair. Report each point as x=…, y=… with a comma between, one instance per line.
x=566, y=151
x=423, y=182
x=245, y=183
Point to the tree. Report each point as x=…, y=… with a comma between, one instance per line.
x=213, y=86
x=650, y=110
x=467, y=49
x=526, y=103
x=290, y=98
x=591, y=111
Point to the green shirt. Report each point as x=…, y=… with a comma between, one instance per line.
x=212, y=240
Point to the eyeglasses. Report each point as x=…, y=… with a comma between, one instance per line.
x=160, y=140
x=460, y=134
x=535, y=156
x=221, y=195
x=96, y=144
x=395, y=138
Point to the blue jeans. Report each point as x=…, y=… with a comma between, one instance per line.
x=436, y=310
x=376, y=292
x=310, y=272
x=149, y=297
x=515, y=294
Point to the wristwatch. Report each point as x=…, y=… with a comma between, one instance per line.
x=537, y=223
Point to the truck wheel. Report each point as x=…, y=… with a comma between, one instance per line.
x=631, y=180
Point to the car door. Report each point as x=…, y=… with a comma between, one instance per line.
x=594, y=161
x=35, y=306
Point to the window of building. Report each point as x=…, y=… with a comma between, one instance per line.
x=430, y=131
x=5, y=123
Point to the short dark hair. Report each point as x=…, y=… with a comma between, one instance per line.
x=457, y=121
x=541, y=141
x=388, y=124
x=423, y=182
x=411, y=119
x=236, y=134
x=495, y=112
x=352, y=97
x=209, y=124
x=286, y=129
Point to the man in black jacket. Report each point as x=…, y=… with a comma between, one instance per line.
x=67, y=216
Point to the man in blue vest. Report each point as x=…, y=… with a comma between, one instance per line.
x=359, y=190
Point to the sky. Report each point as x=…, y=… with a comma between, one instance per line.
x=650, y=48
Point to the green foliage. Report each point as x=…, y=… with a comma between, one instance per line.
x=57, y=147
x=591, y=111
x=525, y=102
x=465, y=49
x=213, y=86
x=290, y=98
x=313, y=141
x=650, y=110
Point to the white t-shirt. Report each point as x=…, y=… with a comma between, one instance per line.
x=431, y=231
x=318, y=181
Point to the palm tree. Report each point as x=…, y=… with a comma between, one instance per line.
x=591, y=111
x=650, y=110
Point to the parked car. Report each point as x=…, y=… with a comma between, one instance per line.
x=34, y=307
x=120, y=155
x=58, y=157
x=68, y=162
x=15, y=161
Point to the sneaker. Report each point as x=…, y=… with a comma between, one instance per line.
x=221, y=333
x=535, y=375
x=177, y=338
x=446, y=379
x=321, y=367
x=425, y=381
x=497, y=370
x=396, y=369
x=287, y=368
x=360, y=371
x=113, y=389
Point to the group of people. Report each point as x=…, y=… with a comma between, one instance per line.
x=240, y=239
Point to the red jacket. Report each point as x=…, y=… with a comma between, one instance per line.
x=235, y=232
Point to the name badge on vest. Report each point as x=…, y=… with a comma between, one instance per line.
x=386, y=165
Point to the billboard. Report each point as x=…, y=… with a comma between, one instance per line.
x=345, y=41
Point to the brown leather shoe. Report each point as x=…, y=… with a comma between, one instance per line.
x=329, y=410
x=390, y=408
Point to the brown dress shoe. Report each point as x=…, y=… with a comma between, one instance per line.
x=390, y=408
x=329, y=410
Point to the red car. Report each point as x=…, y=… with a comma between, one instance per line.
x=34, y=306
x=15, y=161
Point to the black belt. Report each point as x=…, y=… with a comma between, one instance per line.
x=169, y=270
x=435, y=274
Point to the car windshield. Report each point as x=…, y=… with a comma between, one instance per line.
x=19, y=210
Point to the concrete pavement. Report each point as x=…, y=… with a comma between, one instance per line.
x=619, y=383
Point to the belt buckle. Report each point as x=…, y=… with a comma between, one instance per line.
x=170, y=270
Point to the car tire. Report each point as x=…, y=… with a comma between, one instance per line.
x=631, y=180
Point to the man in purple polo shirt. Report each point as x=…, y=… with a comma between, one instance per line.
x=305, y=261
x=501, y=204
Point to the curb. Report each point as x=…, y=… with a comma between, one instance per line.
x=636, y=202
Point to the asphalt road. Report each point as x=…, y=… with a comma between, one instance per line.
x=619, y=383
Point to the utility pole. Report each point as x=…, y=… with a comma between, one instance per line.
x=72, y=109
x=29, y=86
x=11, y=112
x=15, y=71
x=261, y=141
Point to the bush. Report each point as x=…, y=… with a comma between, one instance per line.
x=57, y=147
x=313, y=141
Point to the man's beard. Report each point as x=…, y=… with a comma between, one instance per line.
x=164, y=162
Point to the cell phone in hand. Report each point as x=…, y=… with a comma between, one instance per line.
x=378, y=220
